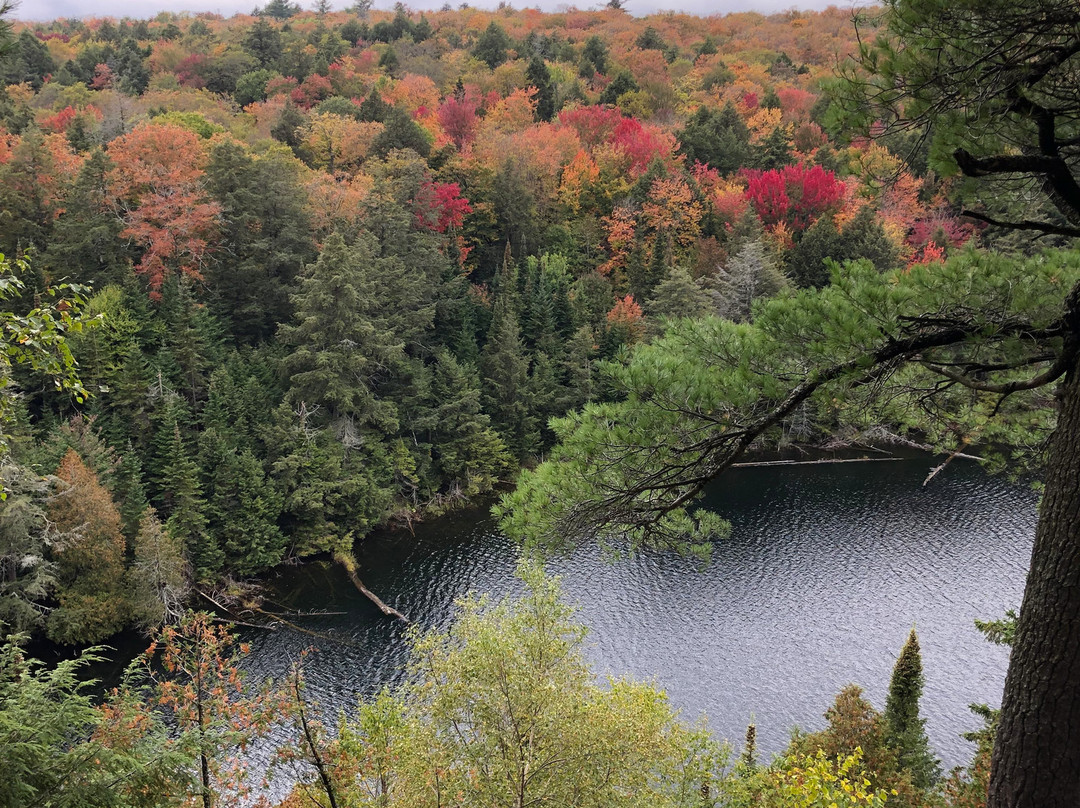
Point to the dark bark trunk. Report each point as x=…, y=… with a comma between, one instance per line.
x=1036, y=761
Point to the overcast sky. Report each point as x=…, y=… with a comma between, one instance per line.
x=143, y=9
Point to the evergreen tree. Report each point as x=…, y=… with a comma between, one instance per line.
x=280, y=9
x=242, y=506
x=505, y=370
x=515, y=208
x=179, y=493
x=373, y=108
x=90, y=557
x=29, y=61
x=538, y=76
x=679, y=296
x=343, y=338
x=862, y=237
x=333, y=490
x=27, y=575
x=192, y=340
x=775, y=151
x=491, y=45
x=718, y=138
x=471, y=457
x=130, y=495
x=265, y=239
x=85, y=244
x=905, y=730
x=287, y=128
x=594, y=55
x=400, y=132
x=389, y=61
x=263, y=41
x=29, y=210
x=580, y=361
x=751, y=274
x=157, y=580
x=130, y=69
x=621, y=84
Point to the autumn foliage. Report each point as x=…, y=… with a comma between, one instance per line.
x=794, y=195
x=157, y=188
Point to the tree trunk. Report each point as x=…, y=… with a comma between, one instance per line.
x=1036, y=761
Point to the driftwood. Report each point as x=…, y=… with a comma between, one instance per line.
x=231, y=619
x=349, y=563
x=823, y=461
x=938, y=469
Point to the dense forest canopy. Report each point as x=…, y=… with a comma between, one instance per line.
x=325, y=271
x=347, y=266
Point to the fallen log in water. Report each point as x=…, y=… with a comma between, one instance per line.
x=349, y=563
x=827, y=460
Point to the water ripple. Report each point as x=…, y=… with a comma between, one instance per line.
x=826, y=570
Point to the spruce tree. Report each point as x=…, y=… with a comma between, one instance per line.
x=538, y=76
x=265, y=239
x=505, y=378
x=751, y=274
x=905, y=730
x=85, y=245
x=342, y=338
x=242, y=506
x=679, y=296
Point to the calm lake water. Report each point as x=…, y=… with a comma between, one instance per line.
x=826, y=570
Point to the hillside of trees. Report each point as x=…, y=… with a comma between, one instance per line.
x=343, y=268
x=274, y=281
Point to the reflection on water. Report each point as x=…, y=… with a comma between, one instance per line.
x=826, y=570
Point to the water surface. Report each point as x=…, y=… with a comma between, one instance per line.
x=826, y=570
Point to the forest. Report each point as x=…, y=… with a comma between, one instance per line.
x=279, y=280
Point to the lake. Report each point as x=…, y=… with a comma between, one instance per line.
x=826, y=570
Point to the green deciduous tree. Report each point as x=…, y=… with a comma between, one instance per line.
x=502, y=709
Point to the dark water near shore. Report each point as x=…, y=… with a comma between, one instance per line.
x=826, y=570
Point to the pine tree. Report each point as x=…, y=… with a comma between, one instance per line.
x=905, y=729
x=679, y=296
x=749, y=275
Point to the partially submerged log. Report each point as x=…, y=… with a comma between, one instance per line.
x=349, y=563
x=822, y=461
